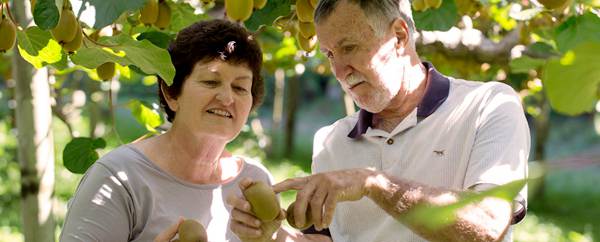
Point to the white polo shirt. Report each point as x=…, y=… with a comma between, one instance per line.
x=462, y=134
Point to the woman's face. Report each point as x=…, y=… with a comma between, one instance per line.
x=215, y=99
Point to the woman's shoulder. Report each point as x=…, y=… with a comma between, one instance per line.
x=123, y=157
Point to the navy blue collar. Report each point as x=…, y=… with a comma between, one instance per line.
x=436, y=93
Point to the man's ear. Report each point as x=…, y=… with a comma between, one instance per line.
x=171, y=102
x=401, y=32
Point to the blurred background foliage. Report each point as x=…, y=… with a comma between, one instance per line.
x=549, y=55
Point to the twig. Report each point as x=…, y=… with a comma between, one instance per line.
x=95, y=42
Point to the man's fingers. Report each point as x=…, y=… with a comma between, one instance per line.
x=302, y=199
x=290, y=184
x=316, y=206
x=245, y=218
x=169, y=233
x=328, y=209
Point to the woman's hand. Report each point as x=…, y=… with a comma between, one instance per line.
x=245, y=224
x=168, y=234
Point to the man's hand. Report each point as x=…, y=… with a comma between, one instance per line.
x=169, y=233
x=324, y=190
x=245, y=224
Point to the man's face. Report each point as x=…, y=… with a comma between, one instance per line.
x=366, y=65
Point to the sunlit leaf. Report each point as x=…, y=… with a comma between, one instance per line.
x=500, y=15
x=80, y=153
x=146, y=116
x=38, y=48
x=441, y=19
x=270, y=12
x=157, y=38
x=127, y=51
x=572, y=81
x=101, y=13
x=45, y=14
x=182, y=15
x=576, y=30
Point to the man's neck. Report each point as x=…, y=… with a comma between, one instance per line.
x=407, y=99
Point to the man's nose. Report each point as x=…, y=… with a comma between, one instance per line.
x=341, y=69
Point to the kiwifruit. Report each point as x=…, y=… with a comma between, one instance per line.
x=74, y=44
x=433, y=3
x=149, y=13
x=239, y=10
x=313, y=3
x=290, y=217
x=419, y=5
x=306, y=44
x=8, y=31
x=191, y=230
x=304, y=11
x=263, y=201
x=67, y=27
x=164, y=15
x=106, y=71
x=259, y=4
x=553, y=4
x=307, y=29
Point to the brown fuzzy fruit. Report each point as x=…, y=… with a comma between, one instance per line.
x=149, y=13
x=164, y=16
x=433, y=3
x=304, y=10
x=419, y=5
x=8, y=31
x=290, y=217
x=192, y=231
x=259, y=4
x=74, y=44
x=239, y=10
x=67, y=27
x=306, y=44
x=263, y=201
x=106, y=71
x=307, y=29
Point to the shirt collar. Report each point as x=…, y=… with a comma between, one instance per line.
x=436, y=93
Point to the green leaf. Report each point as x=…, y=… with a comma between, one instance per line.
x=576, y=30
x=101, y=13
x=127, y=51
x=436, y=217
x=46, y=14
x=572, y=81
x=157, y=38
x=441, y=19
x=80, y=153
x=524, y=64
x=38, y=48
x=269, y=13
x=182, y=15
x=145, y=115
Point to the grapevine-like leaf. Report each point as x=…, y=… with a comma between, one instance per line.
x=80, y=153
x=270, y=12
x=144, y=115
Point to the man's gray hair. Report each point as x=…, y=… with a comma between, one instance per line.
x=379, y=13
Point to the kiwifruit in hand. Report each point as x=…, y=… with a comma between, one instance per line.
x=74, y=44
x=263, y=201
x=192, y=231
x=67, y=27
x=239, y=10
x=106, y=71
x=164, y=15
x=8, y=31
x=149, y=13
x=290, y=218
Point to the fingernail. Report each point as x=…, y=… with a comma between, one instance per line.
x=257, y=223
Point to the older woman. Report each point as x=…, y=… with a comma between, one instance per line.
x=140, y=191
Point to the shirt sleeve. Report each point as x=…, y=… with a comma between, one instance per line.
x=501, y=148
x=99, y=210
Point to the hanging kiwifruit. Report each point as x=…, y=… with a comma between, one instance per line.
x=419, y=5
x=239, y=10
x=8, y=31
x=259, y=4
x=192, y=231
x=307, y=29
x=74, y=44
x=304, y=10
x=164, y=15
x=306, y=44
x=433, y=3
x=106, y=71
x=67, y=27
x=149, y=13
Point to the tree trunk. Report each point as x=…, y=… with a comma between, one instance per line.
x=35, y=141
x=293, y=89
x=542, y=125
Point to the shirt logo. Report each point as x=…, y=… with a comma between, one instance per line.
x=439, y=152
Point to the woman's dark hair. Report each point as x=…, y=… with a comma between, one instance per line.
x=206, y=41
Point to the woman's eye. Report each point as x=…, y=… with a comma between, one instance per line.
x=240, y=89
x=210, y=83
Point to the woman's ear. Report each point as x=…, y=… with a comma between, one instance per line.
x=171, y=102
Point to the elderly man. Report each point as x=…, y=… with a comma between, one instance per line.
x=420, y=138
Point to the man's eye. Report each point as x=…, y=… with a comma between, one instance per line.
x=348, y=48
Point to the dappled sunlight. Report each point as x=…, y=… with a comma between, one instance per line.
x=120, y=53
x=86, y=13
x=102, y=195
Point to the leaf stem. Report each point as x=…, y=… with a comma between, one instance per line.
x=96, y=42
x=11, y=17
